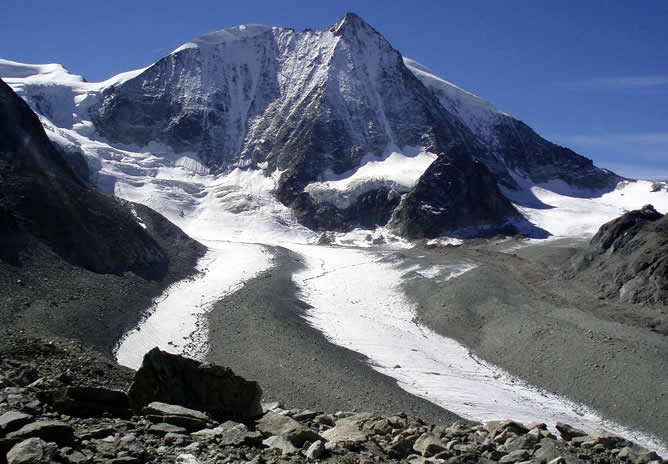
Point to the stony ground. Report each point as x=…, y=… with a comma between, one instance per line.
x=32, y=431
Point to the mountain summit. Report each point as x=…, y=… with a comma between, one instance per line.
x=343, y=125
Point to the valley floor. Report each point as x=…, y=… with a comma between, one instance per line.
x=511, y=309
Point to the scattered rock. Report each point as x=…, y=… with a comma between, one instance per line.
x=273, y=423
x=346, y=430
x=316, y=450
x=163, y=429
x=281, y=443
x=428, y=445
x=176, y=415
x=282, y=436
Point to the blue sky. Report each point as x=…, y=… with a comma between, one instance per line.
x=592, y=75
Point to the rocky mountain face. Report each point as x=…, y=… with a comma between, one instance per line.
x=42, y=197
x=628, y=258
x=316, y=104
x=511, y=148
x=54, y=412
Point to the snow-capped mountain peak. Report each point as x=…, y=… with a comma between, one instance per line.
x=324, y=116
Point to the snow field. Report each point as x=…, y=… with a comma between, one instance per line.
x=576, y=216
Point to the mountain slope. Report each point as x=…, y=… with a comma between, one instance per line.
x=42, y=197
x=512, y=148
x=74, y=261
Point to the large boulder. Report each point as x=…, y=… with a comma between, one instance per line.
x=174, y=379
x=32, y=451
x=48, y=430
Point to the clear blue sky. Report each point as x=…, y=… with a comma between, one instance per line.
x=589, y=75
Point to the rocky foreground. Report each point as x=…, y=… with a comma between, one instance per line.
x=60, y=404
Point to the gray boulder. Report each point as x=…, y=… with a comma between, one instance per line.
x=568, y=432
x=174, y=379
x=32, y=451
x=276, y=424
x=13, y=420
x=428, y=445
x=176, y=415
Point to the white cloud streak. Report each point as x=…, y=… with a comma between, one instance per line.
x=652, y=138
x=621, y=82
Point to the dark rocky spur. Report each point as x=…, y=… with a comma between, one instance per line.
x=32, y=430
x=628, y=258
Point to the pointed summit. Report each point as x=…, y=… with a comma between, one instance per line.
x=352, y=23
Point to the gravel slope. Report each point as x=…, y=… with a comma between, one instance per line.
x=514, y=311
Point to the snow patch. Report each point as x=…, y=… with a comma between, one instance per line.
x=397, y=169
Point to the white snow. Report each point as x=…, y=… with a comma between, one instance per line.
x=175, y=323
x=397, y=169
x=581, y=216
x=477, y=114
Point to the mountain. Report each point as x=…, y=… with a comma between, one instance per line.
x=41, y=197
x=319, y=104
x=342, y=125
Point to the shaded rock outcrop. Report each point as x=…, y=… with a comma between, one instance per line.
x=627, y=259
x=42, y=198
x=173, y=379
x=455, y=192
x=74, y=261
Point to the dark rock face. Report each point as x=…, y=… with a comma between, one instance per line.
x=41, y=197
x=522, y=150
x=628, y=258
x=173, y=379
x=455, y=192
